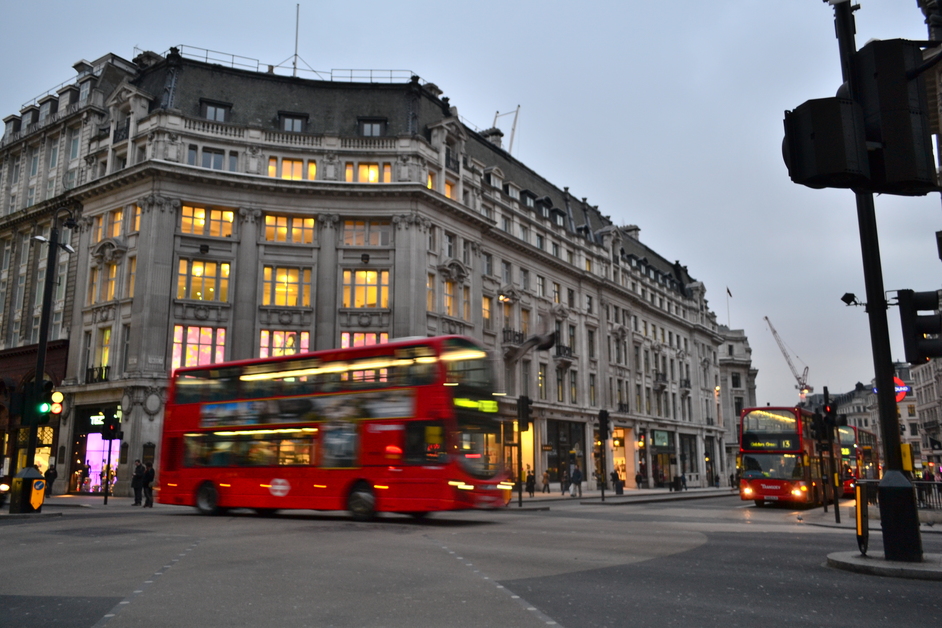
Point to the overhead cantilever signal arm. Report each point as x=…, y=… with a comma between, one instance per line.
x=802, y=379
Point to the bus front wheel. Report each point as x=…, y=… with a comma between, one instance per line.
x=759, y=503
x=362, y=502
x=207, y=499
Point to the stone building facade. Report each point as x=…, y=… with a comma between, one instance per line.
x=225, y=213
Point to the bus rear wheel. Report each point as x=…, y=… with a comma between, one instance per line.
x=207, y=499
x=361, y=502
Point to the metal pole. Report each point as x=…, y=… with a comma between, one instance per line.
x=30, y=406
x=898, y=516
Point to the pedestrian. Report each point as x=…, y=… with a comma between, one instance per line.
x=148, y=489
x=546, y=481
x=683, y=480
x=83, y=478
x=51, y=474
x=137, y=482
x=638, y=479
x=564, y=482
x=576, y=482
x=531, y=482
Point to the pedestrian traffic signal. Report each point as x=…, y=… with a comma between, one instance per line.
x=603, y=425
x=917, y=326
x=524, y=410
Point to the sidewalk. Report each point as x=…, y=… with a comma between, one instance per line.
x=630, y=496
x=57, y=504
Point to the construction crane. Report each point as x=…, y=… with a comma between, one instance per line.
x=802, y=386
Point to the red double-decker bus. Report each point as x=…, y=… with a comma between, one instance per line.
x=409, y=426
x=778, y=461
x=860, y=456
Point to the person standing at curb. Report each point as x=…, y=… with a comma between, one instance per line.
x=51, y=474
x=149, y=475
x=546, y=481
x=137, y=482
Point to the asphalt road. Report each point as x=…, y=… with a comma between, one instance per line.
x=709, y=562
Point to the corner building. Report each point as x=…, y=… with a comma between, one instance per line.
x=227, y=213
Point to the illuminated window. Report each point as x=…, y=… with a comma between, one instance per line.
x=451, y=308
x=487, y=309
x=92, y=294
x=202, y=221
x=132, y=274
x=197, y=346
x=466, y=304
x=557, y=297
x=292, y=169
x=273, y=342
x=430, y=181
x=450, y=190
x=365, y=288
x=103, y=347
x=349, y=339
x=289, y=229
x=109, y=276
x=430, y=293
x=367, y=233
x=368, y=172
x=136, y=218
x=290, y=287
x=203, y=281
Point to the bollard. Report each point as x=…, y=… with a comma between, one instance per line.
x=863, y=517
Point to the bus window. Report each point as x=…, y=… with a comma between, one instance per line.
x=425, y=443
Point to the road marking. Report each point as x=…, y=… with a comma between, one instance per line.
x=140, y=591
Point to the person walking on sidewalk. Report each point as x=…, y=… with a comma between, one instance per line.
x=564, y=482
x=546, y=488
x=531, y=482
x=149, y=475
x=137, y=482
x=576, y=482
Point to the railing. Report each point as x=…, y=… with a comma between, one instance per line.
x=371, y=143
x=97, y=374
x=121, y=131
x=685, y=383
x=213, y=128
x=451, y=162
x=514, y=337
x=562, y=351
x=928, y=494
x=623, y=407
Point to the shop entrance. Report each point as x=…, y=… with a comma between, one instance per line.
x=566, y=441
x=90, y=470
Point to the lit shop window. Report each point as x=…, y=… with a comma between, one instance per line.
x=365, y=288
x=273, y=342
x=198, y=346
x=289, y=229
x=289, y=287
x=368, y=172
x=350, y=339
x=203, y=281
x=202, y=221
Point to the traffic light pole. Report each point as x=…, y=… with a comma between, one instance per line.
x=898, y=516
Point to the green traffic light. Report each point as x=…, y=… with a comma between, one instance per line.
x=44, y=408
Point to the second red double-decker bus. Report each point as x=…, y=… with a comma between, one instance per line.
x=777, y=457
x=860, y=457
x=408, y=426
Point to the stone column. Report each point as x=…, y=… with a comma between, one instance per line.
x=243, y=288
x=328, y=286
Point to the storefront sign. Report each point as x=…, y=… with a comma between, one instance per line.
x=546, y=448
x=660, y=438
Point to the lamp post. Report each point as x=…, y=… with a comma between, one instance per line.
x=20, y=501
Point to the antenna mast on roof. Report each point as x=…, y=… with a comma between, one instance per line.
x=513, y=129
x=297, y=19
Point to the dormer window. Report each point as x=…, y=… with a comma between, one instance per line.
x=84, y=90
x=372, y=127
x=292, y=122
x=215, y=111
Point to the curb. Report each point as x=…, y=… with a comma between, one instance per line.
x=929, y=569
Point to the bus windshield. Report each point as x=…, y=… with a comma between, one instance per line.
x=772, y=466
x=478, y=438
x=770, y=421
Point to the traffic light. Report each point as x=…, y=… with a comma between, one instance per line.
x=916, y=326
x=524, y=410
x=109, y=430
x=603, y=425
x=45, y=403
x=878, y=141
x=892, y=93
x=817, y=426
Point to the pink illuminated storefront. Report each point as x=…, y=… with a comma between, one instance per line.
x=91, y=465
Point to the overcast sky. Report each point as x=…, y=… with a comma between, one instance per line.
x=667, y=115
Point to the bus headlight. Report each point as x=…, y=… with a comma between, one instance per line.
x=746, y=490
x=505, y=486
